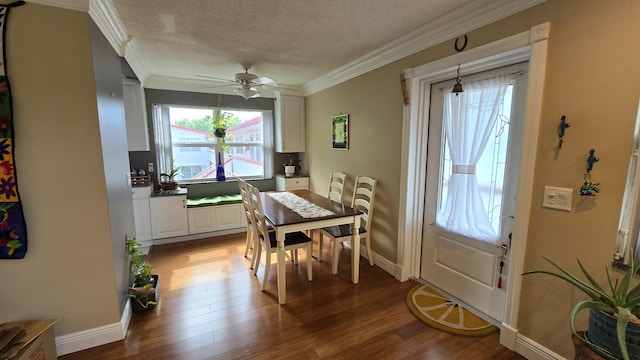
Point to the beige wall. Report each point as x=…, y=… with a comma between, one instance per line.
x=68, y=272
x=592, y=77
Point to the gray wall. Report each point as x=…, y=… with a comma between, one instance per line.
x=113, y=135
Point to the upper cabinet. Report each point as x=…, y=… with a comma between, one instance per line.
x=290, y=122
x=135, y=115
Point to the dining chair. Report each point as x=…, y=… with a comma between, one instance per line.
x=336, y=185
x=364, y=192
x=267, y=239
x=246, y=207
x=337, y=180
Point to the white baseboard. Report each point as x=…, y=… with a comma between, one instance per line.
x=198, y=236
x=70, y=343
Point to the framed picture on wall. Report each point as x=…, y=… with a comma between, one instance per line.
x=340, y=125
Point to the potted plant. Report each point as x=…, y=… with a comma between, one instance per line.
x=167, y=181
x=614, y=315
x=291, y=166
x=144, y=289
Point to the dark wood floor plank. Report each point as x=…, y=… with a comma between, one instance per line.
x=211, y=307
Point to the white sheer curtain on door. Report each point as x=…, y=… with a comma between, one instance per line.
x=468, y=122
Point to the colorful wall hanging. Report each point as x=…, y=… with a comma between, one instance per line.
x=13, y=228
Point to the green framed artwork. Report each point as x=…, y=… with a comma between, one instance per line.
x=340, y=125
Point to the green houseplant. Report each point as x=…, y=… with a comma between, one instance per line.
x=143, y=291
x=167, y=181
x=620, y=300
x=291, y=165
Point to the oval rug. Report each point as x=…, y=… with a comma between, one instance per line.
x=437, y=311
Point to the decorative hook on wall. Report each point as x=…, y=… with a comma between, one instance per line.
x=464, y=45
x=589, y=188
x=591, y=160
x=563, y=125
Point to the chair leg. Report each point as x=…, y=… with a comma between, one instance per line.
x=369, y=254
x=247, y=245
x=267, y=266
x=336, y=257
x=309, y=258
x=256, y=254
x=320, y=246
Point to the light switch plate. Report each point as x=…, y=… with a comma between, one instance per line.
x=557, y=198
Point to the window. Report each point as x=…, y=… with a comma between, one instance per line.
x=627, y=244
x=184, y=140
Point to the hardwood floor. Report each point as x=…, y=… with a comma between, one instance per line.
x=211, y=307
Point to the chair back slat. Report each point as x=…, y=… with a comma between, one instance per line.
x=260, y=221
x=246, y=200
x=336, y=185
x=364, y=194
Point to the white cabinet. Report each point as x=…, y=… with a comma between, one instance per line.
x=215, y=218
x=142, y=213
x=169, y=216
x=135, y=115
x=290, y=123
x=292, y=183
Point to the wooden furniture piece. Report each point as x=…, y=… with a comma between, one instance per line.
x=169, y=214
x=336, y=185
x=267, y=239
x=250, y=242
x=364, y=193
x=284, y=183
x=289, y=123
x=584, y=352
x=284, y=221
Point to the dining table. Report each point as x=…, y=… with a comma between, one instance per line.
x=303, y=210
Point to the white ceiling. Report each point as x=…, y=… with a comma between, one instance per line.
x=303, y=44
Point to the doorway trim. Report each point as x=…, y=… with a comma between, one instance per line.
x=526, y=46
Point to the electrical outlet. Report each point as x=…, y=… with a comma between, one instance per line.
x=150, y=167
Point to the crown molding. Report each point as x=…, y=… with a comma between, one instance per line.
x=82, y=5
x=447, y=27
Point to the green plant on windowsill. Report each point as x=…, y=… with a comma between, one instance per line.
x=142, y=290
x=167, y=181
x=620, y=300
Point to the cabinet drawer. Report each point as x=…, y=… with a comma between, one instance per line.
x=292, y=183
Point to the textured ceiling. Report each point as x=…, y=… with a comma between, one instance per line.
x=290, y=41
x=302, y=44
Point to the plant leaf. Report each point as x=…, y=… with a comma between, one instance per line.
x=589, y=304
x=624, y=315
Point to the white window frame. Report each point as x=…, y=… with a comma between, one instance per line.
x=165, y=145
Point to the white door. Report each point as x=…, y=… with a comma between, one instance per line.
x=472, y=174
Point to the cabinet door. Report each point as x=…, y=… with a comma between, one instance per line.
x=135, y=115
x=169, y=216
x=229, y=217
x=142, y=218
x=290, y=123
x=202, y=219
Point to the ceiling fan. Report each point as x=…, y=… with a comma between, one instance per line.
x=250, y=85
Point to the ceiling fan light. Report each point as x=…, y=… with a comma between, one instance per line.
x=247, y=93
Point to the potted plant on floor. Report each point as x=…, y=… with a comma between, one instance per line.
x=614, y=324
x=144, y=290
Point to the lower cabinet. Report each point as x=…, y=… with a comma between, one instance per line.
x=169, y=216
x=142, y=213
x=215, y=218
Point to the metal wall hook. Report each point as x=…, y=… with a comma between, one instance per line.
x=563, y=125
x=591, y=160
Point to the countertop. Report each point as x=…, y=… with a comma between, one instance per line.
x=179, y=191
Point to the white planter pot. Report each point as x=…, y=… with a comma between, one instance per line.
x=289, y=170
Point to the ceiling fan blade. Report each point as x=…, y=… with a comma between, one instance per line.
x=217, y=79
x=279, y=88
x=264, y=81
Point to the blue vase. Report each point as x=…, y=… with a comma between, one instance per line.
x=220, y=169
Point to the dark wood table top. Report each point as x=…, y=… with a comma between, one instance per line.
x=279, y=215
